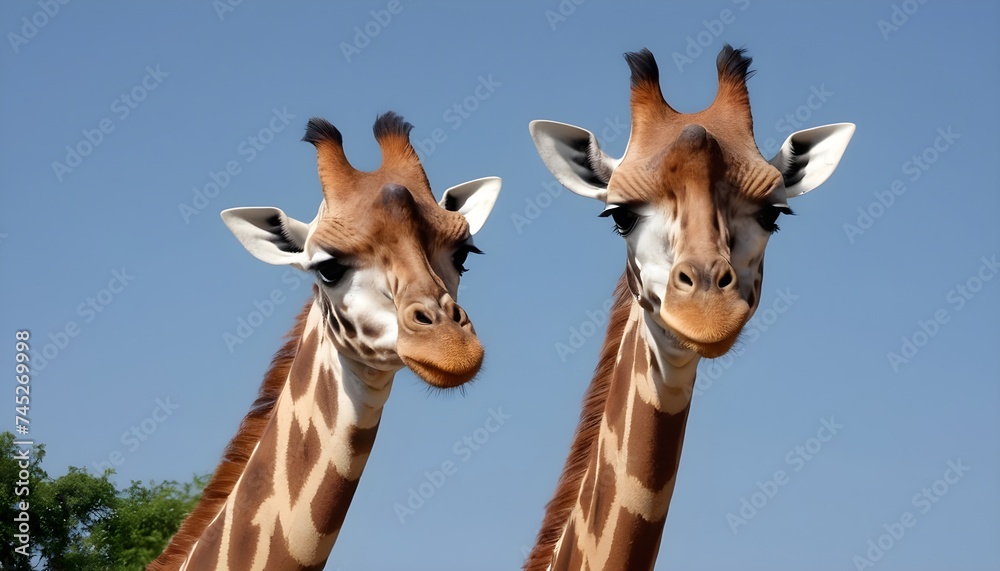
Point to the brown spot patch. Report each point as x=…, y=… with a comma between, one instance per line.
x=206, y=553
x=325, y=396
x=587, y=493
x=655, y=447
x=363, y=439
x=604, y=496
x=278, y=555
x=304, y=450
x=257, y=483
x=334, y=324
x=242, y=543
x=570, y=556
x=636, y=542
x=618, y=394
x=329, y=507
x=349, y=330
x=301, y=373
x=371, y=330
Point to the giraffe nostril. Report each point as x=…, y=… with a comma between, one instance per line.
x=726, y=279
x=685, y=279
x=456, y=314
x=422, y=318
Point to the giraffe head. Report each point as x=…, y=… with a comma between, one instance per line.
x=387, y=257
x=693, y=198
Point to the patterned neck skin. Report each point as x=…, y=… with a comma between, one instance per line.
x=618, y=516
x=289, y=504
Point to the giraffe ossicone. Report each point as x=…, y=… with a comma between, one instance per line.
x=696, y=204
x=387, y=259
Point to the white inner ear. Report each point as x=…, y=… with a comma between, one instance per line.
x=279, y=244
x=473, y=199
x=565, y=150
x=824, y=148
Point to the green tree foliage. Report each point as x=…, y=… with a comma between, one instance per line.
x=81, y=521
x=68, y=508
x=144, y=520
x=9, y=500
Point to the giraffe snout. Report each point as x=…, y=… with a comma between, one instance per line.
x=688, y=277
x=422, y=314
x=703, y=306
x=437, y=341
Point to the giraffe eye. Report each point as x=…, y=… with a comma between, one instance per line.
x=625, y=219
x=458, y=258
x=330, y=271
x=768, y=215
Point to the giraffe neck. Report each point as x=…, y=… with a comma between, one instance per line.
x=287, y=507
x=617, y=519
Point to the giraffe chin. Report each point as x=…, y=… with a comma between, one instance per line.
x=707, y=342
x=438, y=377
x=449, y=369
x=707, y=350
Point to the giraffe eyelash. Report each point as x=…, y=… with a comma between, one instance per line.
x=330, y=271
x=768, y=215
x=625, y=219
x=460, y=255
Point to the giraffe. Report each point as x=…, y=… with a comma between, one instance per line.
x=387, y=260
x=696, y=204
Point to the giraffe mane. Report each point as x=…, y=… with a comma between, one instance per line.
x=584, y=446
x=237, y=453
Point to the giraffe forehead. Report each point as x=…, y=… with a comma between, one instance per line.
x=691, y=151
x=392, y=218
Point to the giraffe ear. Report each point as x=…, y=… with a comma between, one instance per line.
x=268, y=234
x=473, y=199
x=574, y=157
x=808, y=158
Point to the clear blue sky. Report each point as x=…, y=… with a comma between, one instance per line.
x=212, y=83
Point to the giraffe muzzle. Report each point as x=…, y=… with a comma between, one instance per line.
x=437, y=341
x=703, y=306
